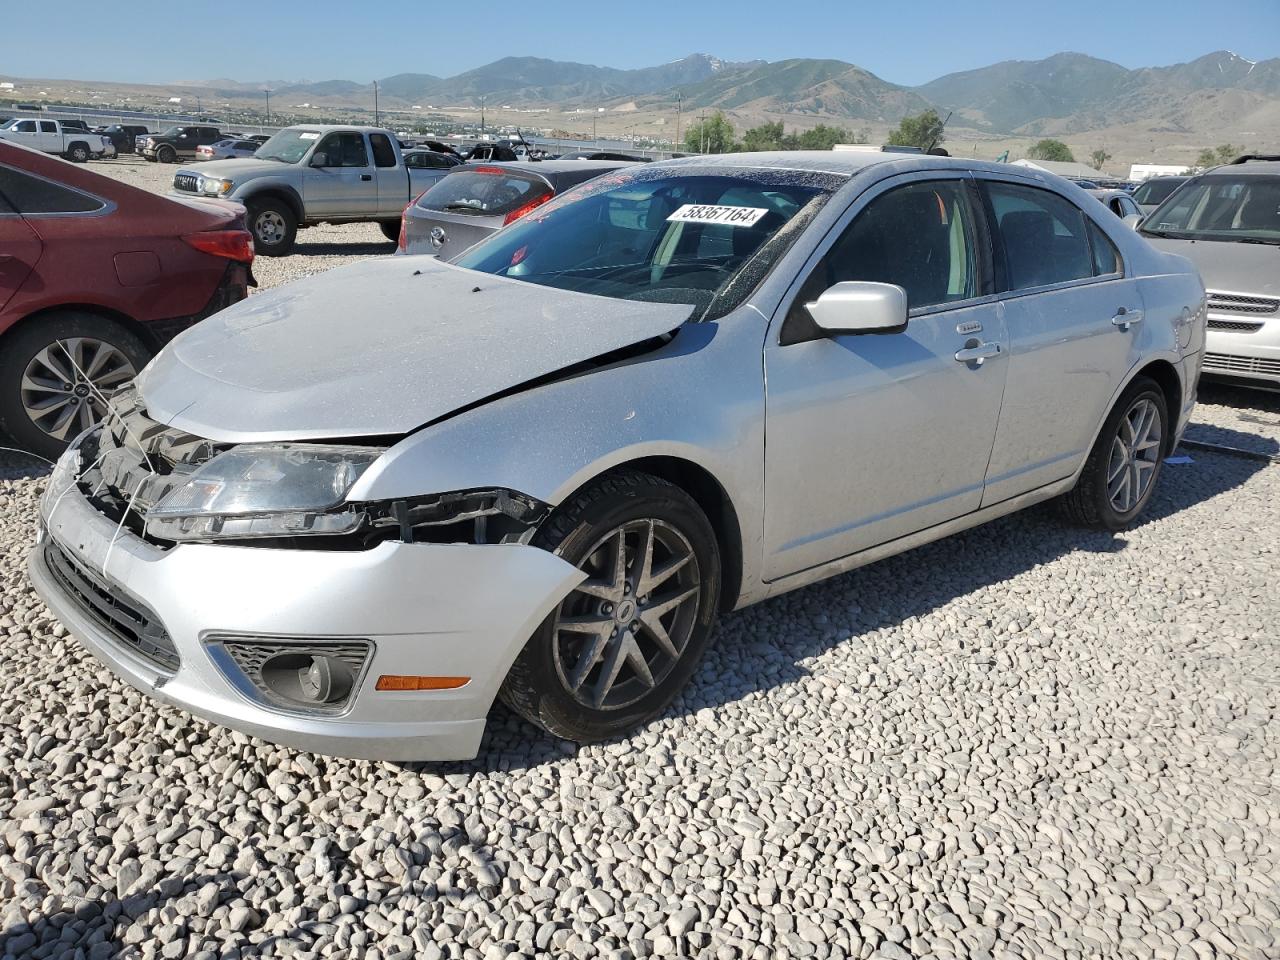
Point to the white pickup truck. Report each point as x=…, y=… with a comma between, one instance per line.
x=49, y=136
x=314, y=173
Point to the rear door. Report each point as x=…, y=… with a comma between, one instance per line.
x=51, y=139
x=339, y=182
x=20, y=248
x=1073, y=318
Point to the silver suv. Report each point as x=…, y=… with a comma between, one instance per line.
x=1227, y=222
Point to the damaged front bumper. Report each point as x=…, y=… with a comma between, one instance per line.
x=159, y=619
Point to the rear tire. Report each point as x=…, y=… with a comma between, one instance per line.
x=273, y=225
x=108, y=352
x=78, y=153
x=1125, y=463
x=634, y=642
x=391, y=230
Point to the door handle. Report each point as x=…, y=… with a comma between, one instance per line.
x=366, y=176
x=975, y=352
x=1125, y=318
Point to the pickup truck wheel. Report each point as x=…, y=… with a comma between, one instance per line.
x=391, y=230
x=273, y=225
x=56, y=374
x=167, y=154
x=78, y=153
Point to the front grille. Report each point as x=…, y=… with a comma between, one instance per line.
x=1234, y=364
x=126, y=620
x=185, y=181
x=1240, y=303
x=1235, y=326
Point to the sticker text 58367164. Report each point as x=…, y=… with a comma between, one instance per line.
x=712, y=213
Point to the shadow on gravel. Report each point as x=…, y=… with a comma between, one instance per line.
x=380, y=248
x=751, y=654
x=19, y=465
x=1242, y=398
x=99, y=928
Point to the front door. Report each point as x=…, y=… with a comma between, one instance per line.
x=1073, y=319
x=870, y=437
x=339, y=181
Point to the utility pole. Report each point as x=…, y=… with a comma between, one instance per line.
x=482, y=102
x=595, y=141
x=679, y=110
x=375, y=103
x=268, y=93
x=702, y=132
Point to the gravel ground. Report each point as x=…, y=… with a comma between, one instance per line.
x=1023, y=741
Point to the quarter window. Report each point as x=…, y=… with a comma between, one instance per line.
x=33, y=195
x=383, y=155
x=1106, y=258
x=920, y=236
x=1042, y=236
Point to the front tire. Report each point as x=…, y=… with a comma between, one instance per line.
x=273, y=225
x=167, y=155
x=1121, y=473
x=617, y=650
x=56, y=373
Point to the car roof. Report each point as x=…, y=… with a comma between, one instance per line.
x=1108, y=193
x=846, y=162
x=1252, y=168
x=550, y=169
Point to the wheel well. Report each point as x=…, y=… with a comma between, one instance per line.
x=715, y=503
x=1166, y=376
x=283, y=196
x=137, y=329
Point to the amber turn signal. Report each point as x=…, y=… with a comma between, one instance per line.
x=391, y=681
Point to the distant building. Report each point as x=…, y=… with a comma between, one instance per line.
x=1144, y=171
x=1063, y=168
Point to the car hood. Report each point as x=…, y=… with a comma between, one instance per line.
x=1249, y=268
x=380, y=348
x=239, y=167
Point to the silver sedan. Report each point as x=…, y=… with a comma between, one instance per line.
x=348, y=513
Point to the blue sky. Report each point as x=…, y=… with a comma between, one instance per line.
x=903, y=42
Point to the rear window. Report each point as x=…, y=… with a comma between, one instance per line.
x=30, y=194
x=484, y=192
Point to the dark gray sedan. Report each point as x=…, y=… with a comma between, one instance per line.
x=475, y=199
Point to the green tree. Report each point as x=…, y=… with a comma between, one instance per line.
x=1051, y=150
x=1098, y=158
x=767, y=136
x=822, y=137
x=712, y=135
x=924, y=130
x=1212, y=157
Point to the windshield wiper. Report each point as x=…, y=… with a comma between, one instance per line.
x=1265, y=242
x=461, y=205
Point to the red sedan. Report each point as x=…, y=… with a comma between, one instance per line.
x=95, y=276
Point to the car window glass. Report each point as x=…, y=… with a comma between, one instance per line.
x=344, y=150
x=1041, y=234
x=48, y=126
x=1106, y=258
x=920, y=237
x=26, y=126
x=33, y=195
x=383, y=154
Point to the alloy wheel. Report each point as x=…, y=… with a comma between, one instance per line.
x=66, y=385
x=621, y=631
x=269, y=227
x=1135, y=454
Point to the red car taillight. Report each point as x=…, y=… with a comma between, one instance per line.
x=232, y=244
x=520, y=211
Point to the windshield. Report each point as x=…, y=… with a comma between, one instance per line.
x=172, y=132
x=1156, y=191
x=1243, y=208
x=679, y=235
x=288, y=146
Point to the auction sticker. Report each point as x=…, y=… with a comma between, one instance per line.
x=710, y=213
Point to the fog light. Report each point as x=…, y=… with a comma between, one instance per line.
x=302, y=675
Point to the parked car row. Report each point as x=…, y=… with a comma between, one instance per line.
x=52, y=136
x=540, y=470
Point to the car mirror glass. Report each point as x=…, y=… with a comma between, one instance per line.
x=319, y=159
x=860, y=306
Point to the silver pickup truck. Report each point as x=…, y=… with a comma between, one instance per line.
x=311, y=174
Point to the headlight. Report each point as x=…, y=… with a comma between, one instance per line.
x=265, y=490
x=214, y=187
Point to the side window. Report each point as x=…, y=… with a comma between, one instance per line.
x=383, y=154
x=48, y=126
x=1041, y=234
x=26, y=126
x=32, y=195
x=344, y=150
x=921, y=236
x=1106, y=258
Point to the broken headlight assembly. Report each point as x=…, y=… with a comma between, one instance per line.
x=265, y=490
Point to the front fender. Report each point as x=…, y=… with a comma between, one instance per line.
x=245, y=192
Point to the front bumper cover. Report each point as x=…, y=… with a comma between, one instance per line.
x=428, y=609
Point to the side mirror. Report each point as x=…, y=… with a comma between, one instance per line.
x=319, y=159
x=1132, y=221
x=860, y=306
